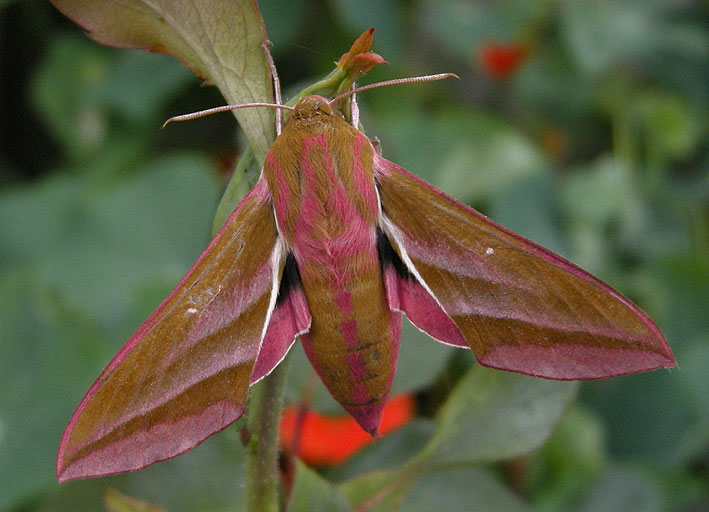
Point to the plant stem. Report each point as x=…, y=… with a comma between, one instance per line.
x=264, y=410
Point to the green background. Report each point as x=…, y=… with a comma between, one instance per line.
x=596, y=147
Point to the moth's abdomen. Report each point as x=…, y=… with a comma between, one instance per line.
x=354, y=337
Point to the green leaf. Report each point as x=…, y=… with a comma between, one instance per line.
x=600, y=35
x=567, y=465
x=493, y=415
x=462, y=488
x=629, y=404
x=77, y=68
x=99, y=264
x=490, y=416
x=694, y=358
x=477, y=156
x=312, y=493
x=157, y=78
x=467, y=169
x=388, y=453
x=284, y=22
x=119, y=502
x=421, y=359
x=593, y=197
x=671, y=127
x=528, y=207
x=452, y=488
x=381, y=491
x=682, y=283
x=46, y=350
x=623, y=490
x=597, y=194
x=463, y=26
x=219, y=41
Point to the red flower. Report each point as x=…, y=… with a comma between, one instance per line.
x=500, y=60
x=330, y=440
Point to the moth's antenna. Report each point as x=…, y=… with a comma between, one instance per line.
x=266, y=45
x=223, y=108
x=396, y=81
x=226, y=108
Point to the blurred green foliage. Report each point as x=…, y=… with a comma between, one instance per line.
x=596, y=147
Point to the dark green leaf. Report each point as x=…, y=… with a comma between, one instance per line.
x=312, y=493
x=462, y=488
x=493, y=415
x=623, y=490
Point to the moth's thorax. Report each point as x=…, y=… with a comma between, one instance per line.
x=320, y=172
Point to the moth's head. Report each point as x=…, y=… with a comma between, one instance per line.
x=311, y=107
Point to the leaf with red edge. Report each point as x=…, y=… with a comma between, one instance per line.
x=219, y=41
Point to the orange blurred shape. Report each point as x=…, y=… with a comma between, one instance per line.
x=225, y=164
x=500, y=60
x=330, y=440
x=554, y=142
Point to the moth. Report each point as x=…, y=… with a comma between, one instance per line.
x=333, y=245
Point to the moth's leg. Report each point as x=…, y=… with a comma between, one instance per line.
x=354, y=111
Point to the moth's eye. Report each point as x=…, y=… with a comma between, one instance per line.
x=317, y=105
